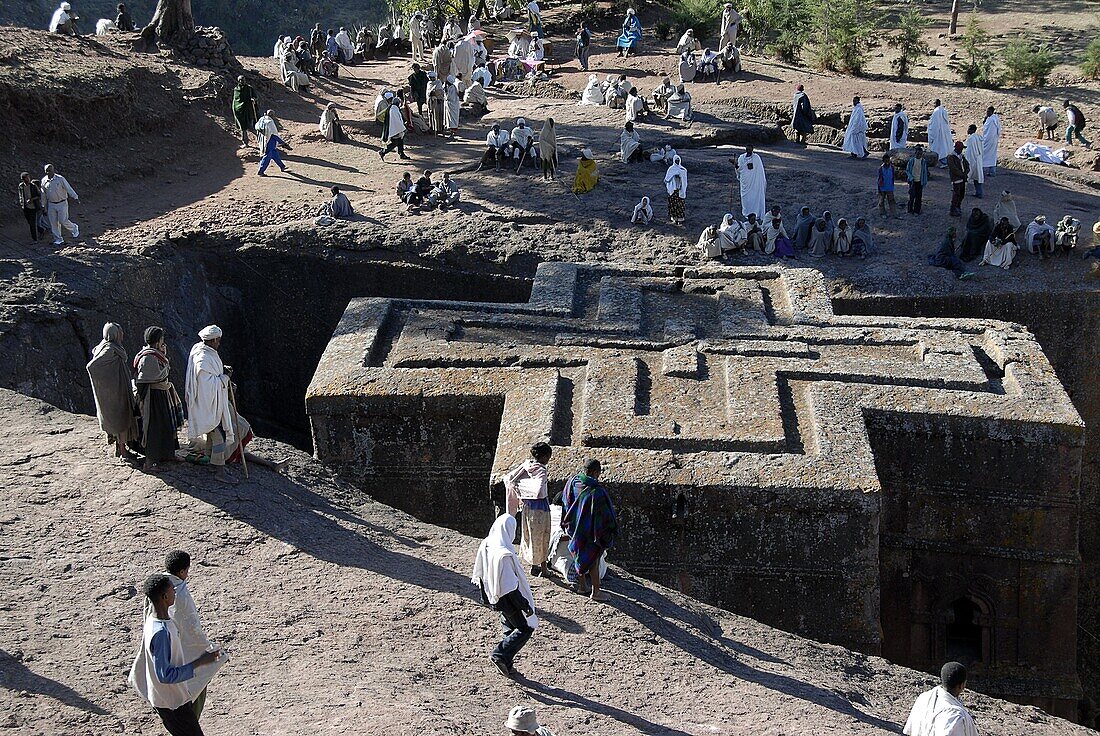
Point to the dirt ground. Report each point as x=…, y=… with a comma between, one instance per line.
x=341, y=615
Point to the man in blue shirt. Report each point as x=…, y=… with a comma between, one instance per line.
x=916, y=172
x=271, y=153
x=886, y=186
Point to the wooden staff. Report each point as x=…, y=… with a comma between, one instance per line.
x=237, y=429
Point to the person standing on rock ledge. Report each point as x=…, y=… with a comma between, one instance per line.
x=212, y=419
x=56, y=190
x=588, y=517
x=503, y=585
x=115, y=407
x=161, y=408
x=244, y=109
x=939, y=712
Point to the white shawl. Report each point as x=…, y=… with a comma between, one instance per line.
x=207, y=391
x=592, y=94
x=670, y=176
x=991, y=140
x=899, y=119
x=642, y=210
x=974, y=156
x=940, y=141
x=629, y=142
x=939, y=712
x=754, y=184
x=855, y=137
x=497, y=567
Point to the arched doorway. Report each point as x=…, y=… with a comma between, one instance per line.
x=965, y=637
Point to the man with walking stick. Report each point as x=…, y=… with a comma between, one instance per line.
x=214, y=426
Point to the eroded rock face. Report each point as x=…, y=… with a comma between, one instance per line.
x=897, y=485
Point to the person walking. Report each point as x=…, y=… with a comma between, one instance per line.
x=886, y=187
x=393, y=128
x=56, y=191
x=499, y=576
x=271, y=154
x=185, y=615
x=1075, y=123
x=916, y=173
x=588, y=517
x=30, y=201
x=526, y=489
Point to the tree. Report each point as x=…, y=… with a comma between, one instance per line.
x=909, y=41
x=976, y=69
x=844, y=31
x=172, y=22
x=1027, y=64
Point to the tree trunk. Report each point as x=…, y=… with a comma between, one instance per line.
x=466, y=14
x=173, y=22
x=954, y=18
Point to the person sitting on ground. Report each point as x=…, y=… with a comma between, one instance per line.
x=802, y=227
x=64, y=21
x=476, y=99
x=708, y=243
x=614, y=94
x=445, y=193
x=708, y=65
x=523, y=142
x=820, y=242
x=406, y=191
x=842, y=238
x=635, y=106
x=424, y=187
x=630, y=144
x=305, y=59
x=776, y=240
x=679, y=105
x=661, y=95
x=1006, y=207
x=945, y=257
x=1039, y=237
x=293, y=78
x=522, y=722
x=643, y=213
x=978, y=227
x=1001, y=248
x=1066, y=233
x=483, y=75
x=339, y=206
x=665, y=155
x=863, y=242
x=730, y=57
x=588, y=175
x=497, y=142
x=731, y=235
x=330, y=125
x=755, y=239
x=939, y=711
x=688, y=67
x=827, y=216
x=592, y=94
x=124, y=21
x=687, y=42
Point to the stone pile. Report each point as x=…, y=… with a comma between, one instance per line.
x=209, y=48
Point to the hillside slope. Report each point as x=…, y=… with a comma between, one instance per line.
x=344, y=616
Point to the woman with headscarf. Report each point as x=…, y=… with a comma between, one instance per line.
x=503, y=585
x=708, y=243
x=687, y=42
x=330, y=125
x=842, y=238
x=802, y=227
x=587, y=174
x=776, y=239
x=630, y=144
x=1001, y=248
x=731, y=235
x=161, y=408
x=676, y=184
x=631, y=35
x=643, y=212
x=452, y=105
x=593, y=92
x=293, y=79
x=109, y=371
x=548, y=149
x=1006, y=207
x=978, y=228
x=436, y=117
x=819, y=243
x=863, y=242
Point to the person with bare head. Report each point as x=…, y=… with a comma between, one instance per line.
x=939, y=711
x=525, y=487
x=589, y=518
x=161, y=673
x=57, y=192
x=185, y=615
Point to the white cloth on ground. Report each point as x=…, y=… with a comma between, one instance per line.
x=1039, y=152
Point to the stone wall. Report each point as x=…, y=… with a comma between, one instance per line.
x=765, y=453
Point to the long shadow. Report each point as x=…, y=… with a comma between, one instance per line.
x=321, y=163
x=14, y=675
x=313, y=182
x=548, y=695
x=648, y=607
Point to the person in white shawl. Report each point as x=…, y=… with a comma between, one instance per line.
x=185, y=615
x=753, y=183
x=265, y=128
x=676, y=184
x=731, y=234
x=630, y=144
x=899, y=128
x=281, y=45
x=115, y=405
x=330, y=125
x=64, y=20
x=593, y=92
x=855, y=136
x=731, y=24
x=687, y=42
x=708, y=243
x=643, y=212
x=664, y=155
x=452, y=105
x=991, y=141
x=679, y=104
x=635, y=105
x=940, y=140
x=347, y=49
x=1039, y=237
x=463, y=60
x=476, y=98
x=499, y=575
x=939, y=712
x=293, y=79
x=975, y=156
x=1006, y=207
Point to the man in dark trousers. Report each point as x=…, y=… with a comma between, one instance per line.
x=958, y=169
x=1075, y=123
x=418, y=86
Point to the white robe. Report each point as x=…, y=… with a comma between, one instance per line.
x=753, y=184
x=643, y=212
x=628, y=144
x=265, y=128
x=343, y=40
x=1006, y=207
x=497, y=567
x=708, y=243
x=991, y=140
x=731, y=24
x=463, y=60
x=999, y=255
x=593, y=94
x=855, y=137
x=939, y=713
x=451, y=105
x=974, y=156
x=634, y=107
x=60, y=18
x=899, y=119
x=940, y=140
x=731, y=234
x=207, y=392
x=676, y=170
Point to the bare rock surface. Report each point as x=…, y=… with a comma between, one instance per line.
x=342, y=615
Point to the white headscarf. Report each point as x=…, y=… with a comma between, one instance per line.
x=673, y=171
x=497, y=566
x=210, y=332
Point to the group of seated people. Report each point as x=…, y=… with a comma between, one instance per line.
x=818, y=236
x=619, y=93
x=710, y=65
x=424, y=194
x=519, y=145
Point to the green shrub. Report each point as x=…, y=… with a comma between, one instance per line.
x=845, y=32
x=976, y=69
x=663, y=30
x=776, y=27
x=704, y=16
x=1027, y=64
x=909, y=41
x=1091, y=65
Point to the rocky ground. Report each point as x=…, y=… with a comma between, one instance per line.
x=342, y=615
